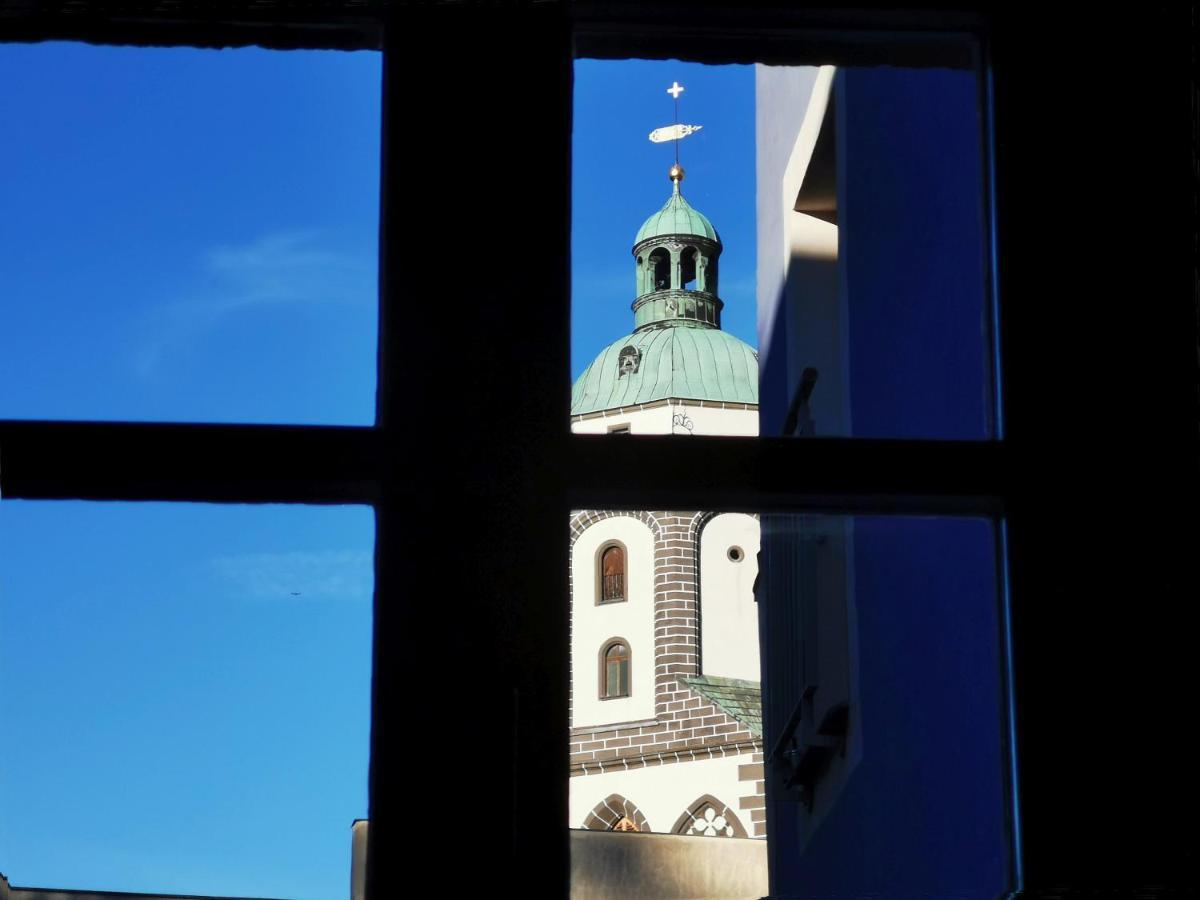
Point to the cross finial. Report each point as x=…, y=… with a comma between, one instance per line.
x=675, y=90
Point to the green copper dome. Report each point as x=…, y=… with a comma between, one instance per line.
x=681, y=361
x=677, y=217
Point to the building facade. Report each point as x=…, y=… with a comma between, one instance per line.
x=665, y=716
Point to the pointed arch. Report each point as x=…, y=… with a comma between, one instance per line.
x=709, y=817
x=615, y=813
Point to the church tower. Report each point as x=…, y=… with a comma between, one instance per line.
x=677, y=372
x=666, y=731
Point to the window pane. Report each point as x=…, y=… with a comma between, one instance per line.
x=845, y=209
x=186, y=695
x=884, y=706
x=188, y=235
x=870, y=725
x=676, y=746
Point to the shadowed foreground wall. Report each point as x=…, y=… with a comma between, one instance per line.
x=606, y=864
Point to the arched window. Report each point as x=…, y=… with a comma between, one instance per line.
x=687, y=269
x=709, y=817
x=710, y=275
x=612, y=574
x=616, y=814
x=614, y=670
x=660, y=268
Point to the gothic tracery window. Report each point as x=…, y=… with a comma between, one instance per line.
x=710, y=824
x=709, y=817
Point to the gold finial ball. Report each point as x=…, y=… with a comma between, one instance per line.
x=676, y=173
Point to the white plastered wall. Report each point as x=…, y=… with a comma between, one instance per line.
x=728, y=613
x=675, y=418
x=593, y=624
x=663, y=792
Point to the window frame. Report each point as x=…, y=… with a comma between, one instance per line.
x=600, y=576
x=1038, y=471
x=606, y=648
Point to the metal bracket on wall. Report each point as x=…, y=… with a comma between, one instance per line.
x=803, y=751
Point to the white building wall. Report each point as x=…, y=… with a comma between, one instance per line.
x=594, y=624
x=675, y=418
x=728, y=613
x=663, y=792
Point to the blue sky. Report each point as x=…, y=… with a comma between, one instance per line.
x=184, y=690
x=186, y=235
x=191, y=235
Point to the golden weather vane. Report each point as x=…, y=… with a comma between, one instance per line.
x=674, y=132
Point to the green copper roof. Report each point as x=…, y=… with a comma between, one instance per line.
x=740, y=699
x=685, y=361
x=677, y=217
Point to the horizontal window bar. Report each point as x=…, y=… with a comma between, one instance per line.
x=777, y=36
x=223, y=463
x=769, y=474
x=305, y=464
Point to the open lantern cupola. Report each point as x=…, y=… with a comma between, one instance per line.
x=676, y=253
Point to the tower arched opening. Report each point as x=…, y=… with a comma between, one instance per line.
x=660, y=269
x=687, y=268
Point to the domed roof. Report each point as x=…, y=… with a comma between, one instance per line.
x=677, y=217
x=691, y=363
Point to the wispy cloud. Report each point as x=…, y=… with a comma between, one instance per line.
x=279, y=269
x=299, y=575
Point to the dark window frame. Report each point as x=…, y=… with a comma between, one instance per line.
x=526, y=476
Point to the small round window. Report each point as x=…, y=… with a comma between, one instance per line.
x=736, y=554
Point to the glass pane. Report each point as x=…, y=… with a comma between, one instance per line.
x=676, y=749
x=868, y=726
x=189, y=235
x=845, y=208
x=633, y=370
x=185, y=691
x=884, y=706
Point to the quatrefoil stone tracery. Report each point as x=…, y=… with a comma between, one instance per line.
x=709, y=824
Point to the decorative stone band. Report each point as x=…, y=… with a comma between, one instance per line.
x=667, y=307
x=677, y=242
x=689, y=724
x=655, y=404
x=665, y=757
